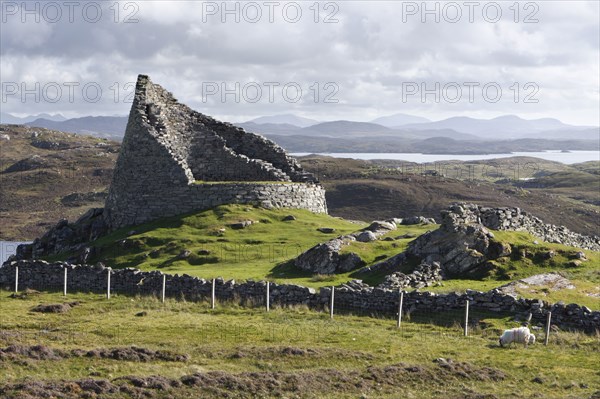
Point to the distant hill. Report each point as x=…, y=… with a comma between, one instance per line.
x=15, y=120
x=344, y=128
x=109, y=127
x=289, y=119
x=398, y=120
x=46, y=175
x=270, y=128
x=502, y=127
x=569, y=134
x=368, y=133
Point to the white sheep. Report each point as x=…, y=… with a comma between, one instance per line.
x=520, y=335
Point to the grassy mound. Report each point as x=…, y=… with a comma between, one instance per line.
x=211, y=244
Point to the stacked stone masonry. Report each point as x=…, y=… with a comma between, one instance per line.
x=170, y=152
x=516, y=219
x=353, y=296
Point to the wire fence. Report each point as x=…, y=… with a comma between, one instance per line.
x=464, y=317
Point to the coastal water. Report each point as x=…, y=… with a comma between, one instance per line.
x=8, y=248
x=557, y=156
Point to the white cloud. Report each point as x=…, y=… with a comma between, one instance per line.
x=369, y=54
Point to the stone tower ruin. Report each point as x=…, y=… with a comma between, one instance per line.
x=175, y=160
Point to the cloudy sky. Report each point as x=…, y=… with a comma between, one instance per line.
x=330, y=60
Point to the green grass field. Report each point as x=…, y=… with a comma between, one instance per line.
x=289, y=352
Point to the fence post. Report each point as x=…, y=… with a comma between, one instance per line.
x=548, y=320
x=400, y=308
x=65, y=283
x=331, y=302
x=467, y=318
x=212, y=294
x=164, y=287
x=108, y=284
x=268, y=296
x=16, y=279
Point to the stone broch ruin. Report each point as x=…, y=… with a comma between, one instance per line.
x=175, y=160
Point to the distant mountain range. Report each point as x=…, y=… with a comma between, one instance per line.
x=285, y=119
x=502, y=127
x=15, y=120
x=398, y=120
x=110, y=127
x=385, y=134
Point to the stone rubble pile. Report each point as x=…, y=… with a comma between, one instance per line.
x=66, y=237
x=424, y=275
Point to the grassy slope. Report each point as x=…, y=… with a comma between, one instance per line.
x=264, y=250
x=259, y=251
x=234, y=340
x=30, y=201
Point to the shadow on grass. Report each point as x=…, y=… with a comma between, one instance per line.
x=288, y=270
x=375, y=278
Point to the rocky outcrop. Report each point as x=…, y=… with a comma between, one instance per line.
x=459, y=248
x=325, y=258
x=417, y=220
x=31, y=163
x=552, y=281
x=66, y=237
x=80, y=199
x=463, y=244
x=170, y=153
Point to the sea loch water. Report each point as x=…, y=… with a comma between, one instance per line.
x=557, y=156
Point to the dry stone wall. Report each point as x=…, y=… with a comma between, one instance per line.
x=353, y=296
x=168, y=148
x=517, y=220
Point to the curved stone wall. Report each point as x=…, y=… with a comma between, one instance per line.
x=135, y=209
